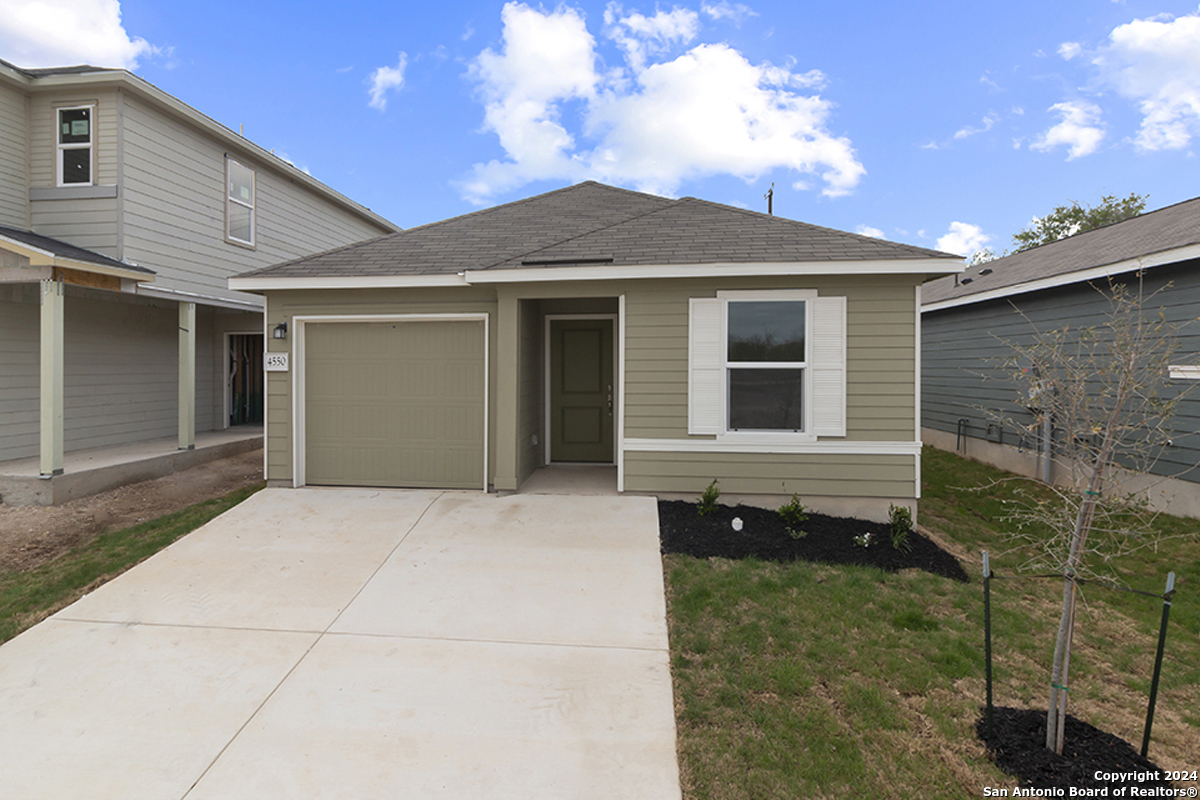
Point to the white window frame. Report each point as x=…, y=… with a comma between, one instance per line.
x=762, y=436
x=61, y=146
x=252, y=205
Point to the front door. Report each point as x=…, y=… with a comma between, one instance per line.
x=581, y=390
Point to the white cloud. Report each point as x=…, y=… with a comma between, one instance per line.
x=963, y=239
x=57, y=33
x=867, y=230
x=1069, y=50
x=708, y=111
x=1156, y=62
x=1080, y=130
x=727, y=10
x=989, y=122
x=641, y=36
x=386, y=79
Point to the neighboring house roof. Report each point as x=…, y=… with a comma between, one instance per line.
x=603, y=227
x=1166, y=236
x=84, y=74
x=46, y=250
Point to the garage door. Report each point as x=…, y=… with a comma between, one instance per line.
x=395, y=404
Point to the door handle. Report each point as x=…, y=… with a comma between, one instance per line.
x=610, y=399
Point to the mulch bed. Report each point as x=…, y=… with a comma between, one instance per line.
x=829, y=540
x=1019, y=748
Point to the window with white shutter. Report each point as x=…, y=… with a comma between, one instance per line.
x=767, y=366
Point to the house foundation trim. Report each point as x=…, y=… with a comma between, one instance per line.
x=798, y=448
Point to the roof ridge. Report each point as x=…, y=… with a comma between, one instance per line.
x=522, y=201
x=810, y=226
x=670, y=203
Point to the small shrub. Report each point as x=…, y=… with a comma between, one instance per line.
x=902, y=523
x=794, y=514
x=864, y=539
x=707, y=504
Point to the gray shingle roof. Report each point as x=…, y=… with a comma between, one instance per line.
x=1158, y=231
x=65, y=250
x=591, y=223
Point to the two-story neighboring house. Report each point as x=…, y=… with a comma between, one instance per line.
x=123, y=211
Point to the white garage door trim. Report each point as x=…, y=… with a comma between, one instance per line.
x=299, y=452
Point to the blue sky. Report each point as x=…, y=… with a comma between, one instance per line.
x=943, y=124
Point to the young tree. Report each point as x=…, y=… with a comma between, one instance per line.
x=1074, y=218
x=1103, y=388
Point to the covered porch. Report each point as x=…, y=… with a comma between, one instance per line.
x=99, y=469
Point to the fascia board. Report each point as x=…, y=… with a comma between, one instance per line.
x=266, y=284
x=912, y=266
x=604, y=273
x=44, y=258
x=1068, y=278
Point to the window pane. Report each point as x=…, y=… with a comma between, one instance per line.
x=75, y=126
x=241, y=223
x=77, y=165
x=766, y=331
x=241, y=183
x=766, y=399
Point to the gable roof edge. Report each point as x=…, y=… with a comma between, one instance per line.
x=1162, y=258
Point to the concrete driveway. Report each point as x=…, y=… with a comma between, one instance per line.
x=349, y=643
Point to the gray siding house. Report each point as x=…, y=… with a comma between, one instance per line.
x=123, y=212
x=676, y=341
x=965, y=319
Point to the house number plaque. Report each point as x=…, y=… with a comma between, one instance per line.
x=275, y=362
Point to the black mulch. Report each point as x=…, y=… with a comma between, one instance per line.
x=830, y=540
x=1019, y=748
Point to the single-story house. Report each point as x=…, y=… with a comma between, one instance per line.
x=966, y=320
x=679, y=341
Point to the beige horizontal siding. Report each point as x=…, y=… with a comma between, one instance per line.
x=881, y=356
x=14, y=174
x=91, y=224
x=19, y=371
x=43, y=134
x=174, y=208
x=740, y=473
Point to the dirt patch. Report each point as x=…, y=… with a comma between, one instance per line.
x=828, y=540
x=32, y=535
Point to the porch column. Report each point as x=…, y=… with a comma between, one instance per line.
x=187, y=376
x=51, y=431
x=507, y=391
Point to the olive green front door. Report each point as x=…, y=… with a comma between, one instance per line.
x=581, y=390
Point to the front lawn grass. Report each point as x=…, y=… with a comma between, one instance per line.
x=27, y=597
x=807, y=680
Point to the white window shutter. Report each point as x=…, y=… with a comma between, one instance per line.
x=706, y=367
x=827, y=366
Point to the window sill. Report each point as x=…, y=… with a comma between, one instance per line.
x=241, y=244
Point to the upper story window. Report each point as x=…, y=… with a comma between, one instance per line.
x=239, y=203
x=76, y=150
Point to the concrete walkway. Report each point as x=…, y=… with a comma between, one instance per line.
x=328, y=643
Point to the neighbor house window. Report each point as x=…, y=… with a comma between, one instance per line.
x=766, y=359
x=75, y=145
x=239, y=202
